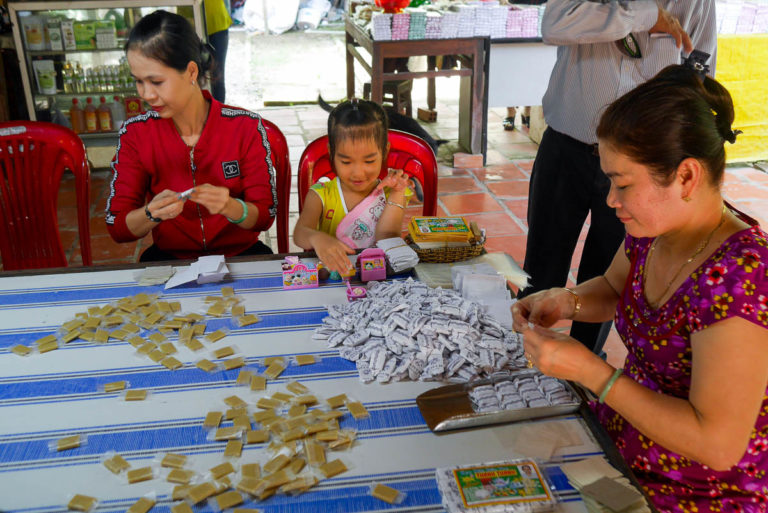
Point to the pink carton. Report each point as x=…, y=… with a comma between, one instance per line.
x=299, y=276
x=373, y=265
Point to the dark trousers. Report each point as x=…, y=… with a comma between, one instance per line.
x=155, y=254
x=220, y=42
x=567, y=184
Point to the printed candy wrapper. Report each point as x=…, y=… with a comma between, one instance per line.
x=515, y=486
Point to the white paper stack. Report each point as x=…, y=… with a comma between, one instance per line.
x=483, y=16
x=498, y=21
x=514, y=22
x=481, y=283
x=418, y=24
x=603, y=488
x=466, y=21
x=382, y=26
x=746, y=19
x=399, y=255
x=401, y=23
x=154, y=275
x=433, y=25
x=449, y=25
x=731, y=10
x=530, y=22
x=207, y=269
x=761, y=19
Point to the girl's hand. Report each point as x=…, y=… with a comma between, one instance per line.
x=543, y=308
x=396, y=180
x=213, y=198
x=332, y=252
x=556, y=354
x=166, y=205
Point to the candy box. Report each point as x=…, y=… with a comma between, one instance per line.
x=373, y=265
x=299, y=276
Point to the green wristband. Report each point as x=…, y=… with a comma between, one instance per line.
x=609, y=385
x=245, y=212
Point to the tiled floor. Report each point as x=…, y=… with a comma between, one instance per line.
x=496, y=196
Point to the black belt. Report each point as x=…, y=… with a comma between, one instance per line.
x=585, y=147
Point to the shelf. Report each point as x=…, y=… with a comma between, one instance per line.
x=34, y=53
x=93, y=94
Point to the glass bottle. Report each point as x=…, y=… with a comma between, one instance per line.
x=68, y=75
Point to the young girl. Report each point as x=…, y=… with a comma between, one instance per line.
x=355, y=209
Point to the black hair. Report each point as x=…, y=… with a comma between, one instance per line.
x=357, y=119
x=678, y=114
x=169, y=38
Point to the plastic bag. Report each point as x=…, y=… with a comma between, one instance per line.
x=280, y=15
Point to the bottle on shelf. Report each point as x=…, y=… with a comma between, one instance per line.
x=68, y=76
x=91, y=118
x=77, y=117
x=79, y=79
x=118, y=112
x=105, y=116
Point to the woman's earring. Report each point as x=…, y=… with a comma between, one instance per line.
x=687, y=199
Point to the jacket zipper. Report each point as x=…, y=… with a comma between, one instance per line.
x=194, y=184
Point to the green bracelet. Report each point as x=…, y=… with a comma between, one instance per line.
x=245, y=212
x=609, y=385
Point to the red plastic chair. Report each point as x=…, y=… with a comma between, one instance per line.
x=282, y=163
x=33, y=157
x=406, y=152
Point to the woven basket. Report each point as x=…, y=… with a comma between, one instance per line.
x=447, y=254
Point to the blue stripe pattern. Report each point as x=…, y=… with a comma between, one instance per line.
x=394, y=419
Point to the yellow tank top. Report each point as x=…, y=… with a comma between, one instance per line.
x=334, y=207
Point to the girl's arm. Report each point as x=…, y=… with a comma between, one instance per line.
x=391, y=221
x=331, y=251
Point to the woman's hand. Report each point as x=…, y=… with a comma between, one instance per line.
x=166, y=205
x=396, y=180
x=544, y=308
x=332, y=252
x=215, y=199
x=557, y=355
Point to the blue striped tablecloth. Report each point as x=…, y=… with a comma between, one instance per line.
x=56, y=394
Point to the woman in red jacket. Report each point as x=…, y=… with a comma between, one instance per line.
x=218, y=156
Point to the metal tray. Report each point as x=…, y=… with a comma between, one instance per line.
x=449, y=407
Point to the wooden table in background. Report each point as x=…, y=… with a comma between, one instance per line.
x=471, y=52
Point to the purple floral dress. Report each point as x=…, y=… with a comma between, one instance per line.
x=731, y=282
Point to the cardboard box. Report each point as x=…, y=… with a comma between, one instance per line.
x=85, y=35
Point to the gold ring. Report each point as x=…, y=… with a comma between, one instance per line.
x=529, y=360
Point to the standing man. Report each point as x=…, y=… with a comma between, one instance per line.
x=218, y=21
x=605, y=48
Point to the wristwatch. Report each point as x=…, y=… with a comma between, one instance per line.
x=149, y=215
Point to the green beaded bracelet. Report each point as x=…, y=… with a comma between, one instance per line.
x=609, y=385
x=245, y=212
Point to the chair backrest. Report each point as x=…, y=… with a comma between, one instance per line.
x=33, y=157
x=407, y=152
x=282, y=162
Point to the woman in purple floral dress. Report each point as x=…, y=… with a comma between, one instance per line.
x=689, y=292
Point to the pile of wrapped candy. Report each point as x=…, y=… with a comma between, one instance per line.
x=405, y=330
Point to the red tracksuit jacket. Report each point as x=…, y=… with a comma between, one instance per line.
x=232, y=152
